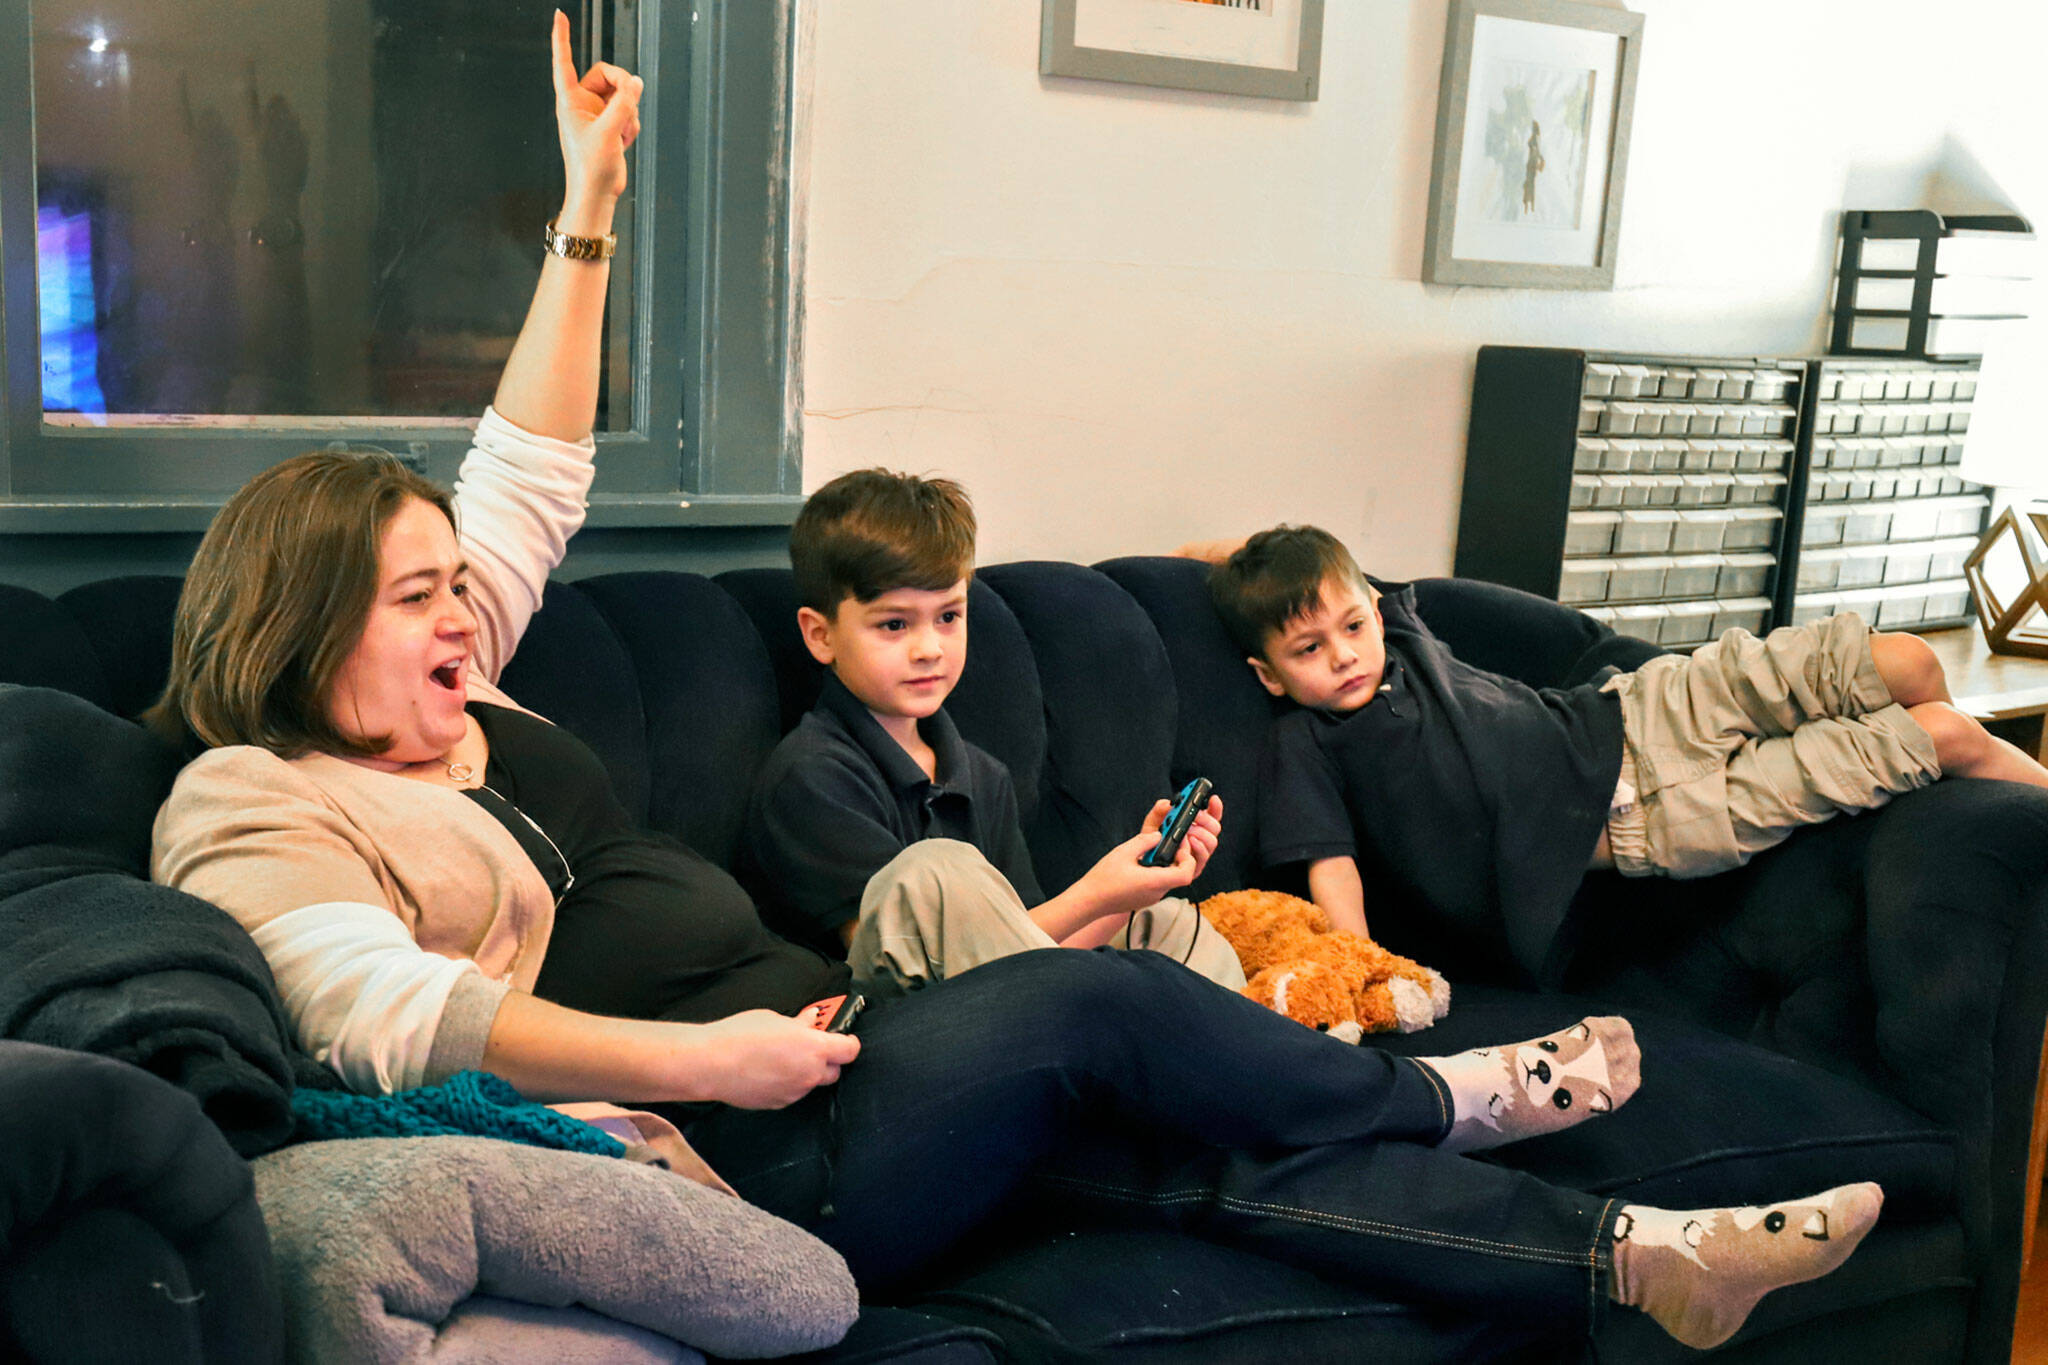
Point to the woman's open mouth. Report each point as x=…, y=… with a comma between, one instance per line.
x=449, y=675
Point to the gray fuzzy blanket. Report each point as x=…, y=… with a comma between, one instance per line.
x=441, y=1248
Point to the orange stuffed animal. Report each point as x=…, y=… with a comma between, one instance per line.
x=1340, y=983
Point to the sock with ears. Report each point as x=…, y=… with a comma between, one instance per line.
x=1698, y=1273
x=1502, y=1094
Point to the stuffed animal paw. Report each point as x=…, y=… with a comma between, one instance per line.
x=1339, y=983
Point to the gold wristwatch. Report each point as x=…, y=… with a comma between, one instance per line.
x=579, y=248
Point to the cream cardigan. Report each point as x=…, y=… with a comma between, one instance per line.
x=395, y=913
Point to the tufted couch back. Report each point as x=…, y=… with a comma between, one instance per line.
x=1103, y=689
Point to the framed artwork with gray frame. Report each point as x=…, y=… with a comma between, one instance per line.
x=1532, y=127
x=1271, y=48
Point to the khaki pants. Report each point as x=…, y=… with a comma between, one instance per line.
x=939, y=908
x=1733, y=749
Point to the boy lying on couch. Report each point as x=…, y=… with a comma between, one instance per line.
x=1458, y=786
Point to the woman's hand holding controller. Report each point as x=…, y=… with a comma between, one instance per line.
x=762, y=1060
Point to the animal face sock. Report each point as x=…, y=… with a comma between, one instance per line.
x=1503, y=1094
x=1699, y=1273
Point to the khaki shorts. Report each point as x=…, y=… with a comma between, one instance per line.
x=1731, y=750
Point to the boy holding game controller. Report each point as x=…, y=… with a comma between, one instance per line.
x=875, y=829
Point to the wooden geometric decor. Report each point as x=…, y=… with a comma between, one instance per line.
x=2008, y=573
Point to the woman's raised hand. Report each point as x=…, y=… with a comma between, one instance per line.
x=597, y=117
x=764, y=1060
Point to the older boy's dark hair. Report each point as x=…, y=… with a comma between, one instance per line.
x=1273, y=578
x=874, y=531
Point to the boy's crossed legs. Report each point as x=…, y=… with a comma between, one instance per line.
x=1825, y=671
x=1751, y=738
x=1913, y=674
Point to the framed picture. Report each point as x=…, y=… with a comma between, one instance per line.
x=1272, y=48
x=1532, y=122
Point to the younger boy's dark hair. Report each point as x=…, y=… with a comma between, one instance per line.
x=874, y=531
x=1273, y=578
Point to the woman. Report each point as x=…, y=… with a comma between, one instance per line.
x=441, y=880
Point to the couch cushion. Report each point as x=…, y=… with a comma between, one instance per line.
x=128, y=1227
x=1109, y=713
x=768, y=596
x=41, y=645
x=1222, y=712
x=999, y=705
x=128, y=622
x=82, y=788
x=707, y=695
x=571, y=668
x=1716, y=1121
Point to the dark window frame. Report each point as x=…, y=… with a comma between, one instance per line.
x=716, y=431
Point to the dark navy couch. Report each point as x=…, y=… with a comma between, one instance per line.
x=1866, y=1002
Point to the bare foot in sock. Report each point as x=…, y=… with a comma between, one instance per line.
x=1699, y=1272
x=1503, y=1094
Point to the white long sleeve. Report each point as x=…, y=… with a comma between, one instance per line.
x=367, y=1001
x=518, y=499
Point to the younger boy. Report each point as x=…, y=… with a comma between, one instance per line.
x=875, y=828
x=1475, y=794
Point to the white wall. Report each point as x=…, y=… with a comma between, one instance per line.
x=1129, y=317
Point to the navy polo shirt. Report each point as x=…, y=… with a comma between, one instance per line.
x=1475, y=798
x=839, y=798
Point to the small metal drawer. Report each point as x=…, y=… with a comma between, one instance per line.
x=1590, y=533
x=1745, y=575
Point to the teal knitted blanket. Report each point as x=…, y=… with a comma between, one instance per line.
x=475, y=1103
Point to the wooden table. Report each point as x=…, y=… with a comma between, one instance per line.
x=2009, y=693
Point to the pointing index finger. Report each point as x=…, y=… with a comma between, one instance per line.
x=564, y=65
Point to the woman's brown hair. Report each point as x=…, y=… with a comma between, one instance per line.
x=276, y=599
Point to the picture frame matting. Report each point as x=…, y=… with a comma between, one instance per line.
x=1559, y=229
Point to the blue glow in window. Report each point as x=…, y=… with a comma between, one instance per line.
x=71, y=350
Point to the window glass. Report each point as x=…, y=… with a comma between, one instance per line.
x=247, y=212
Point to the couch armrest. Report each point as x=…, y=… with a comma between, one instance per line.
x=1957, y=941
x=128, y=1226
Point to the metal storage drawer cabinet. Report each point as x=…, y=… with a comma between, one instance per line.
x=1646, y=487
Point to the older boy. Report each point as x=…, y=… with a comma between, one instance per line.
x=876, y=829
x=1469, y=791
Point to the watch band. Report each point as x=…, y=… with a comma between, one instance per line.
x=579, y=248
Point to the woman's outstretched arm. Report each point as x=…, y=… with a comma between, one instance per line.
x=755, y=1060
x=550, y=382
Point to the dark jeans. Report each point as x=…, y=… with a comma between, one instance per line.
x=1128, y=1084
